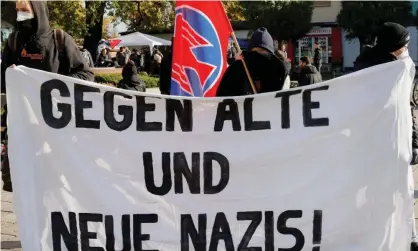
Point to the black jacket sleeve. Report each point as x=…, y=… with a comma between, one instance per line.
x=414, y=131
x=231, y=81
x=414, y=118
x=74, y=65
x=165, y=75
x=7, y=59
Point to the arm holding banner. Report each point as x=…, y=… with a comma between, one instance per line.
x=243, y=63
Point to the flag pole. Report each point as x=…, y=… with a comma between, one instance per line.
x=243, y=62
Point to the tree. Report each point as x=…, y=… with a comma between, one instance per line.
x=69, y=16
x=94, y=23
x=285, y=20
x=362, y=19
x=234, y=10
x=107, y=27
x=144, y=15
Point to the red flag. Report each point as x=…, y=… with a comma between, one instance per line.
x=114, y=42
x=202, y=30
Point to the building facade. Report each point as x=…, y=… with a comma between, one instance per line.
x=325, y=31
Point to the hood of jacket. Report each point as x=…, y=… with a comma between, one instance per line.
x=129, y=70
x=40, y=22
x=130, y=75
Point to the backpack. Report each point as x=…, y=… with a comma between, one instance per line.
x=58, y=38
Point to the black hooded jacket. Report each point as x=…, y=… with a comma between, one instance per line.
x=165, y=73
x=372, y=56
x=309, y=75
x=130, y=80
x=39, y=40
x=267, y=71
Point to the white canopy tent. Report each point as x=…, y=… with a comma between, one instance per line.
x=140, y=39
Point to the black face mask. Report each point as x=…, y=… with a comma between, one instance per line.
x=27, y=27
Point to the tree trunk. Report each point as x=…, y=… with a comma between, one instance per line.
x=8, y=12
x=94, y=21
x=140, y=16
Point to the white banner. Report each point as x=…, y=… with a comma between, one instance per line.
x=322, y=168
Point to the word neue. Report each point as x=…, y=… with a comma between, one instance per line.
x=193, y=235
x=227, y=110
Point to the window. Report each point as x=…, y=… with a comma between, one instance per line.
x=321, y=3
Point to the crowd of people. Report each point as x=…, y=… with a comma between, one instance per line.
x=56, y=51
x=144, y=59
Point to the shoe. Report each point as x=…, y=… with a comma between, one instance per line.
x=414, y=246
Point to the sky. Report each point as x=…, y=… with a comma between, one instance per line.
x=121, y=27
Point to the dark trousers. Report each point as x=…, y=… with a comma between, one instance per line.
x=318, y=67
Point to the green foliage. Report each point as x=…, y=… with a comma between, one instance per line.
x=234, y=10
x=69, y=16
x=3, y=44
x=285, y=20
x=144, y=15
x=151, y=82
x=95, y=10
x=362, y=18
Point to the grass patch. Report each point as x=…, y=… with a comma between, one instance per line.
x=114, y=78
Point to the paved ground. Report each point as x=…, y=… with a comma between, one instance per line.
x=9, y=235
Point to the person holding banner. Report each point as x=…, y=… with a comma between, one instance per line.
x=391, y=45
x=34, y=44
x=165, y=74
x=265, y=68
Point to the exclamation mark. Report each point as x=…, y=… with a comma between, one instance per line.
x=317, y=230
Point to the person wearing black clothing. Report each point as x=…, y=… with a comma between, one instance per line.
x=165, y=75
x=146, y=56
x=131, y=80
x=135, y=58
x=104, y=60
x=317, y=61
x=308, y=73
x=35, y=37
x=288, y=68
x=267, y=71
x=156, y=59
x=282, y=56
x=391, y=44
x=34, y=44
